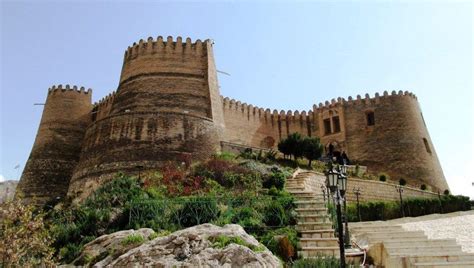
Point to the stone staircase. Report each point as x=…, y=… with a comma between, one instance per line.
x=314, y=223
x=392, y=246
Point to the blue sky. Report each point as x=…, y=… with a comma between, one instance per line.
x=283, y=56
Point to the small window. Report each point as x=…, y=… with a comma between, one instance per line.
x=336, y=124
x=370, y=119
x=427, y=146
x=327, y=126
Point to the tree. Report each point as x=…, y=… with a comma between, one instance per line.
x=25, y=240
x=312, y=149
x=295, y=144
x=284, y=148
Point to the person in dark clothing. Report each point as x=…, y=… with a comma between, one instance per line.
x=345, y=159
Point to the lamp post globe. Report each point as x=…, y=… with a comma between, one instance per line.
x=332, y=177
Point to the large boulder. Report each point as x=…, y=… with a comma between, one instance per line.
x=106, y=248
x=203, y=245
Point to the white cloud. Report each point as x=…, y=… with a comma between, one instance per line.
x=2, y=178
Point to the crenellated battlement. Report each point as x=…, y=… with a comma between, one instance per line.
x=106, y=100
x=170, y=46
x=248, y=109
x=67, y=88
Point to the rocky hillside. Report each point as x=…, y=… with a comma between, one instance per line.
x=7, y=190
x=203, y=245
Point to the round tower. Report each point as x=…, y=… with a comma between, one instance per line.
x=388, y=134
x=57, y=146
x=167, y=108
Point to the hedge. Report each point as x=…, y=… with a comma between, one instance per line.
x=413, y=207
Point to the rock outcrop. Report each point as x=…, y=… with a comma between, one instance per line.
x=197, y=246
x=7, y=190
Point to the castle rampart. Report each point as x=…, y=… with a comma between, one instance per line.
x=167, y=107
x=57, y=145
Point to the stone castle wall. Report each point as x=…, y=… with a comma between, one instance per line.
x=398, y=143
x=57, y=146
x=167, y=107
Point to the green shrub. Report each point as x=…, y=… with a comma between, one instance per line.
x=133, y=239
x=227, y=156
x=402, y=182
x=446, y=192
x=423, y=187
x=318, y=262
x=383, y=177
x=270, y=240
x=223, y=241
x=197, y=210
x=275, y=179
x=413, y=207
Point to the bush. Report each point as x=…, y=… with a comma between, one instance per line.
x=133, y=239
x=402, y=182
x=423, y=187
x=272, y=241
x=383, y=177
x=275, y=179
x=413, y=207
x=446, y=192
x=25, y=239
x=223, y=241
x=197, y=210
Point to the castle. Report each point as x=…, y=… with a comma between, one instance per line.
x=168, y=107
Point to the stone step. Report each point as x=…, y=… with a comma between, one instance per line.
x=389, y=235
x=310, y=197
x=300, y=193
x=311, y=211
x=376, y=229
x=314, y=218
x=457, y=264
x=308, y=252
x=295, y=188
x=321, y=233
x=304, y=226
x=310, y=204
x=402, y=260
x=374, y=240
x=422, y=249
x=318, y=242
x=421, y=242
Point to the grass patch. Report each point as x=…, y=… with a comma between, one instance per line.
x=223, y=241
x=133, y=239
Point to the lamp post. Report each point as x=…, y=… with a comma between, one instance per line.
x=357, y=193
x=400, y=191
x=342, y=183
x=333, y=183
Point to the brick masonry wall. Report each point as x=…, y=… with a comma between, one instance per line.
x=56, y=149
x=167, y=108
x=395, y=143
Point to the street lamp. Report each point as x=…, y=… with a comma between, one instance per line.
x=336, y=188
x=357, y=193
x=342, y=185
x=400, y=191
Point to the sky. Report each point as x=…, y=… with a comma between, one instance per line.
x=279, y=55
